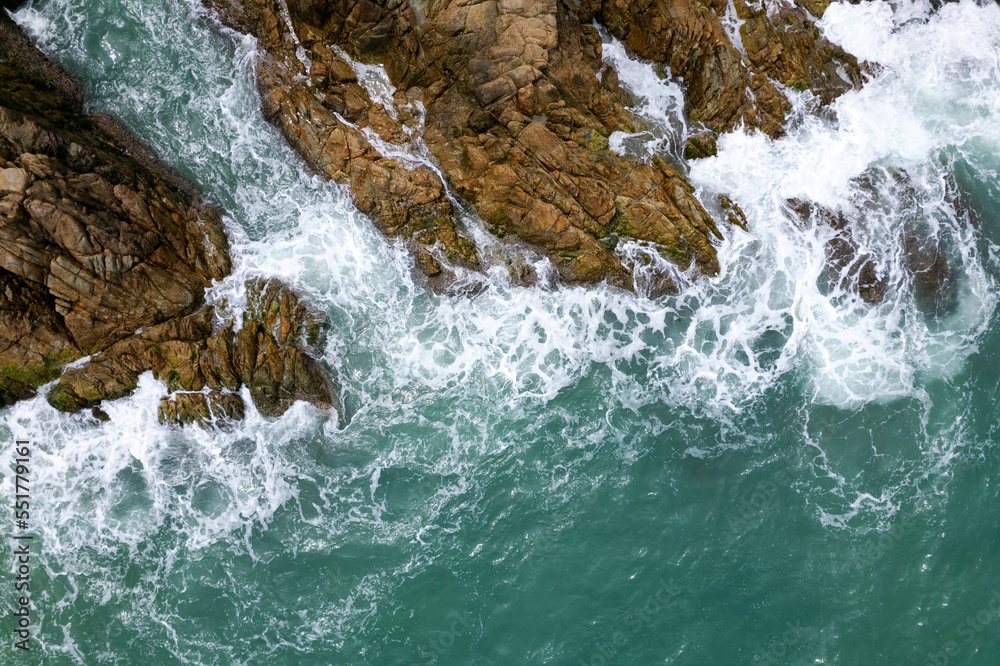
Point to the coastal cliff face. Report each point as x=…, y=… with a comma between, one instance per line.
x=105, y=252
x=512, y=101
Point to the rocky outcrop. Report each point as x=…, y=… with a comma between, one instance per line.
x=786, y=46
x=688, y=37
x=505, y=96
x=333, y=122
x=733, y=212
x=205, y=409
x=104, y=251
x=205, y=367
x=506, y=100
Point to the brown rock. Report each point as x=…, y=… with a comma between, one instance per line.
x=203, y=409
x=786, y=46
x=517, y=117
x=13, y=181
x=269, y=354
x=97, y=238
x=428, y=264
x=105, y=251
x=34, y=342
x=689, y=38
x=403, y=200
x=700, y=145
x=733, y=212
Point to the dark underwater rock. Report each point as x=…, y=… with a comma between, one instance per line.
x=846, y=267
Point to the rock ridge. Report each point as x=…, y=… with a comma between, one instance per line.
x=106, y=252
x=513, y=103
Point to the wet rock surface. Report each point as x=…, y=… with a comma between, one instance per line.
x=786, y=46
x=847, y=267
x=205, y=409
x=268, y=352
x=703, y=144
x=924, y=250
x=506, y=98
x=333, y=122
x=105, y=252
x=689, y=38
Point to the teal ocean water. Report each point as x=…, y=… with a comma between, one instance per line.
x=761, y=469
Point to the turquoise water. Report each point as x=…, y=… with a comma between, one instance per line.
x=758, y=470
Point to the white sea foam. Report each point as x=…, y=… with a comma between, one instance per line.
x=903, y=120
x=439, y=384
x=300, y=52
x=374, y=79
x=658, y=104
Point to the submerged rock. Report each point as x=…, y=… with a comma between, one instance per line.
x=924, y=259
x=105, y=252
x=933, y=286
x=847, y=268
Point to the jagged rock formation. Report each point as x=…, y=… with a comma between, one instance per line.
x=689, y=38
x=269, y=353
x=106, y=252
x=331, y=120
x=787, y=47
x=505, y=95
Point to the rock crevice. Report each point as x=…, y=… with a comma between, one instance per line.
x=506, y=97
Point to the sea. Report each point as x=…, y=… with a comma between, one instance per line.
x=760, y=468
